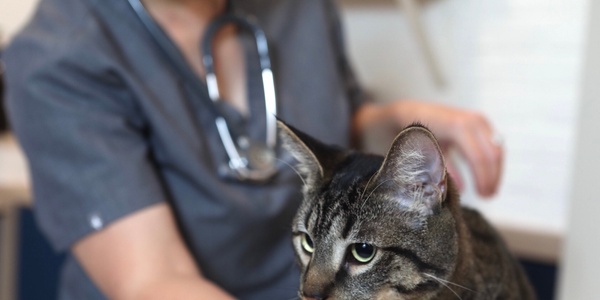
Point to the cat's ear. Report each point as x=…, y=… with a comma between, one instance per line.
x=414, y=172
x=316, y=160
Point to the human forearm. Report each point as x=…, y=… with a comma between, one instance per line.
x=399, y=114
x=181, y=288
x=377, y=123
x=142, y=256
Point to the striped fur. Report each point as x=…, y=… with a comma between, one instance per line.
x=404, y=205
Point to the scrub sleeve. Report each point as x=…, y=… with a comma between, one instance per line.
x=86, y=144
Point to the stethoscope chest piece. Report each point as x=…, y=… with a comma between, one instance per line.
x=260, y=157
x=257, y=162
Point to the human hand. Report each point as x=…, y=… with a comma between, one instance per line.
x=469, y=132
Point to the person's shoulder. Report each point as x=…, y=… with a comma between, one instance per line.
x=55, y=24
x=57, y=30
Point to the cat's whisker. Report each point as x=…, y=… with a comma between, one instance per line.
x=292, y=167
x=366, y=186
x=370, y=194
x=444, y=284
x=449, y=282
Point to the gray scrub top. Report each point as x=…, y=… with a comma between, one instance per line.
x=110, y=127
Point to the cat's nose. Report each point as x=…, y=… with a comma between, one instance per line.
x=318, y=283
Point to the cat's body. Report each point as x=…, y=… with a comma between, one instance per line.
x=392, y=228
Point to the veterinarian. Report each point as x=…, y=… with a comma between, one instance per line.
x=135, y=176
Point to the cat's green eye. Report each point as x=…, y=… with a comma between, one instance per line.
x=307, y=243
x=363, y=252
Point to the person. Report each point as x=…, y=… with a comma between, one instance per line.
x=126, y=162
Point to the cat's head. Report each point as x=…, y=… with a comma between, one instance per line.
x=373, y=227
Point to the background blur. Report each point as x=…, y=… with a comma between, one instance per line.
x=529, y=65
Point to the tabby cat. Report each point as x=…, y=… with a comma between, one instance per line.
x=392, y=228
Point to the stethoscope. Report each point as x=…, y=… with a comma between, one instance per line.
x=249, y=160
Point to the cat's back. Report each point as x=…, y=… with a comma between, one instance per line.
x=500, y=274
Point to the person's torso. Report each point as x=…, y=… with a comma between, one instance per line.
x=238, y=232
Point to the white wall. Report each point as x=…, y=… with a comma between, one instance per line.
x=581, y=269
x=518, y=61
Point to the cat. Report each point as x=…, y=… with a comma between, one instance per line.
x=373, y=227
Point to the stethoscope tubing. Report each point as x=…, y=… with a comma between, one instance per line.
x=236, y=162
x=266, y=73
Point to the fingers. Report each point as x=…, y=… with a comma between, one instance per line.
x=455, y=174
x=451, y=168
x=475, y=139
x=494, y=158
x=469, y=132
